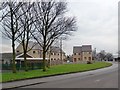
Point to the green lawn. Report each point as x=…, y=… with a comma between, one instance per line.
x=58, y=69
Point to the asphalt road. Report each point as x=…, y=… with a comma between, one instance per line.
x=102, y=78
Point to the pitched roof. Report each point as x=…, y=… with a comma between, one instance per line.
x=32, y=45
x=22, y=55
x=6, y=55
x=86, y=48
x=77, y=49
x=56, y=49
x=83, y=48
x=36, y=45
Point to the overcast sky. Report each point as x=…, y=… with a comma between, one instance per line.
x=97, y=22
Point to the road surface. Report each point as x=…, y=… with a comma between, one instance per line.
x=102, y=78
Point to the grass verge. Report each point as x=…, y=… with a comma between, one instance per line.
x=54, y=70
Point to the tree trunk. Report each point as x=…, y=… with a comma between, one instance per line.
x=13, y=62
x=44, y=61
x=49, y=62
x=13, y=42
x=25, y=61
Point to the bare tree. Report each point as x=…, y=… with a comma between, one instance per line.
x=109, y=56
x=51, y=24
x=10, y=24
x=102, y=55
x=26, y=22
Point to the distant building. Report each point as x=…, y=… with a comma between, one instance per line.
x=54, y=54
x=82, y=53
x=5, y=58
x=116, y=57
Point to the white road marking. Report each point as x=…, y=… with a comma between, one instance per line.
x=97, y=80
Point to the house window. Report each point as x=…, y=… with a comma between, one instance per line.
x=17, y=51
x=74, y=59
x=51, y=58
x=51, y=53
x=54, y=59
x=58, y=54
x=74, y=53
x=89, y=58
x=33, y=51
x=79, y=53
x=78, y=58
x=85, y=58
x=54, y=53
x=89, y=52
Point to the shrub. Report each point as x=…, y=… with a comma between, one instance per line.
x=89, y=62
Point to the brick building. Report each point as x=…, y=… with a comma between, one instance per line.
x=82, y=53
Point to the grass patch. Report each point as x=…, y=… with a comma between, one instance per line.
x=54, y=70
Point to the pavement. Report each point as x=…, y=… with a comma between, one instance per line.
x=101, y=78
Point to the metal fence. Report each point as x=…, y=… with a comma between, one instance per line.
x=31, y=66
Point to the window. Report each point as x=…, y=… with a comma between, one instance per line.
x=89, y=58
x=51, y=53
x=54, y=53
x=58, y=54
x=85, y=58
x=74, y=59
x=79, y=53
x=33, y=51
x=74, y=53
x=51, y=58
x=89, y=52
x=17, y=51
x=54, y=59
x=78, y=58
